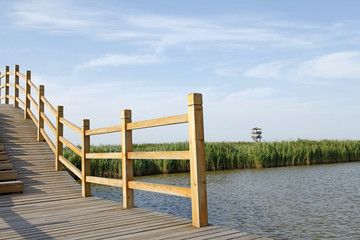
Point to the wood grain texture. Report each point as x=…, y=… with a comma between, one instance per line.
x=183, y=118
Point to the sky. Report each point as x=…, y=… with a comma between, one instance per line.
x=289, y=67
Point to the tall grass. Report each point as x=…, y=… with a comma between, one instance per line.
x=227, y=155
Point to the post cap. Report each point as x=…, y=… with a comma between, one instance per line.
x=195, y=99
x=126, y=113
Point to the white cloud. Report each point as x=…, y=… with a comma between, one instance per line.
x=248, y=94
x=321, y=69
x=341, y=65
x=119, y=59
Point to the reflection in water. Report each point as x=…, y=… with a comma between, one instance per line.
x=311, y=202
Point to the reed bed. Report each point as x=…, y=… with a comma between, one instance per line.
x=227, y=156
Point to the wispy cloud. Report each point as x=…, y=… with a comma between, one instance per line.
x=119, y=59
x=334, y=66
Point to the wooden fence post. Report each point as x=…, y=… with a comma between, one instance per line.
x=127, y=164
x=16, y=90
x=27, y=91
x=85, y=163
x=40, y=137
x=59, y=133
x=7, y=81
x=197, y=161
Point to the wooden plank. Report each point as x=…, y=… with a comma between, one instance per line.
x=40, y=109
x=59, y=133
x=96, y=131
x=48, y=140
x=2, y=75
x=34, y=88
x=159, y=188
x=85, y=162
x=10, y=84
x=176, y=155
x=127, y=164
x=74, y=148
x=48, y=105
x=20, y=75
x=6, y=165
x=10, y=96
x=183, y=118
x=48, y=122
x=20, y=88
x=8, y=175
x=70, y=166
x=105, y=181
x=4, y=155
x=20, y=102
x=11, y=187
x=197, y=161
x=32, y=100
x=70, y=125
x=32, y=116
x=104, y=155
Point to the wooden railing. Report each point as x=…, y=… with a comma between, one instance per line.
x=196, y=155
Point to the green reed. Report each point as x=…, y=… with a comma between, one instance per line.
x=227, y=156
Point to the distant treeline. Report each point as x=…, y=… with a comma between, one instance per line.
x=227, y=156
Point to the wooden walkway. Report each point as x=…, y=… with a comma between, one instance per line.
x=52, y=207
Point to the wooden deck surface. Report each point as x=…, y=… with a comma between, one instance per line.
x=52, y=207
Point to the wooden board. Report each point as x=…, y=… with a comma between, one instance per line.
x=11, y=187
x=9, y=175
x=3, y=155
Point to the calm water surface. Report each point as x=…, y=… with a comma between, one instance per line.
x=312, y=202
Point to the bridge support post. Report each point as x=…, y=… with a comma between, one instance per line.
x=85, y=163
x=16, y=90
x=40, y=137
x=59, y=133
x=7, y=81
x=197, y=161
x=127, y=164
x=27, y=92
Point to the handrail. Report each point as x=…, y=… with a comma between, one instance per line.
x=103, y=130
x=173, y=155
x=195, y=154
x=48, y=104
x=71, y=146
x=36, y=90
x=48, y=122
x=70, y=166
x=183, y=118
x=32, y=100
x=70, y=125
x=20, y=75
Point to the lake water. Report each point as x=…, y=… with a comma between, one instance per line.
x=310, y=202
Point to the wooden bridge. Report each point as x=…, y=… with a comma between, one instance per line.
x=52, y=206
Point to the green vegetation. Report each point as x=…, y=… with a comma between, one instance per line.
x=228, y=155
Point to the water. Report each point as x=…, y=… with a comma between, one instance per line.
x=311, y=202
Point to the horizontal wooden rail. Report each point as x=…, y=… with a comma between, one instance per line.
x=48, y=140
x=176, y=155
x=48, y=105
x=115, y=155
x=20, y=75
x=159, y=188
x=10, y=84
x=183, y=118
x=70, y=145
x=70, y=125
x=2, y=97
x=2, y=86
x=2, y=75
x=32, y=116
x=21, y=102
x=20, y=88
x=105, y=181
x=70, y=166
x=36, y=90
x=48, y=122
x=10, y=96
x=32, y=100
x=103, y=130
x=10, y=73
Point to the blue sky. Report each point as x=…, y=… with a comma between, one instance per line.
x=290, y=67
